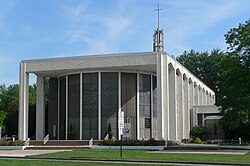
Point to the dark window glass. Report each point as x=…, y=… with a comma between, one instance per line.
x=199, y=119
x=145, y=105
x=128, y=100
x=74, y=107
x=215, y=130
x=62, y=113
x=155, y=129
x=109, y=102
x=53, y=108
x=90, y=106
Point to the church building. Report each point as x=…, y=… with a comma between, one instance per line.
x=149, y=94
x=86, y=93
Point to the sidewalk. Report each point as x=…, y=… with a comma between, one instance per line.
x=24, y=153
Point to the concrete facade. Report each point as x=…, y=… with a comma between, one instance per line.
x=178, y=90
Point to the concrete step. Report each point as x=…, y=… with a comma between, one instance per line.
x=64, y=143
x=193, y=147
x=31, y=147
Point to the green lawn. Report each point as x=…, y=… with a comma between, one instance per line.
x=144, y=155
x=54, y=163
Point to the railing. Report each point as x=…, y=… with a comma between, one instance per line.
x=91, y=142
x=46, y=139
x=27, y=142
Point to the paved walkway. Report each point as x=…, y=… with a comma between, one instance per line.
x=237, y=152
x=24, y=153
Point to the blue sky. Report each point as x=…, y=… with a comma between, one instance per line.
x=35, y=29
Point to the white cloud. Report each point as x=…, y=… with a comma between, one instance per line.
x=5, y=7
x=74, y=12
x=107, y=32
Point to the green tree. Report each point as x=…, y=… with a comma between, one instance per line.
x=206, y=66
x=236, y=82
x=9, y=104
x=2, y=119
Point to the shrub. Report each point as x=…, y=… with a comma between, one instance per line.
x=110, y=133
x=199, y=131
x=11, y=143
x=150, y=142
x=197, y=140
x=185, y=140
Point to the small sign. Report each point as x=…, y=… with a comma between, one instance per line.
x=121, y=114
x=54, y=130
x=121, y=122
x=127, y=130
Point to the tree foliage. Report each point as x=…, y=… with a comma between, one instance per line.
x=206, y=66
x=2, y=119
x=9, y=104
x=228, y=74
x=199, y=132
x=236, y=83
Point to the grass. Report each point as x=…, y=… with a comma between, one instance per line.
x=55, y=163
x=144, y=155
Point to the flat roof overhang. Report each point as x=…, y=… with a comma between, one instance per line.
x=54, y=67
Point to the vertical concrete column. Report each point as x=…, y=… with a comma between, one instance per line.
x=193, y=116
x=162, y=97
x=67, y=106
x=138, y=105
x=23, y=103
x=196, y=94
x=190, y=104
x=186, y=101
x=119, y=104
x=165, y=97
x=99, y=106
x=207, y=98
x=172, y=103
x=80, y=106
x=199, y=95
x=203, y=119
x=58, y=108
x=40, y=109
x=203, y=96
x=179, y=104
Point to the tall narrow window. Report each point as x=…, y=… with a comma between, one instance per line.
x=109, y=103
x=128, y=101
x=62, y=110
x=74, y=107
x=145, y=105
x=154, y=111
x=90, y=106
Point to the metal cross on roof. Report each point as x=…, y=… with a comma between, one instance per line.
x=158, y=10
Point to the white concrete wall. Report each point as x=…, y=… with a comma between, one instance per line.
x=186, y=102
x=162, y=97
x=175, y=95
x=179, y=105
x=40, y=109
x=172, y=103
x=23, y=103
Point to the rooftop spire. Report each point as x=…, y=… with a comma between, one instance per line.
x=158, y=38
x=158, y=11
